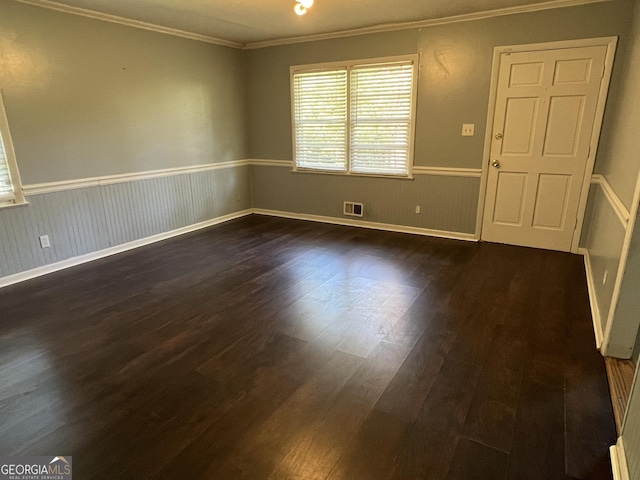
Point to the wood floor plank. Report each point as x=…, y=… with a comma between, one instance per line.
x=371, y=453
x=620, y=374
x=538, y=449
x=275, y=348
x=492, y=415
x=410, y=386
x=588, y=428
x=323, y=441
x=432, y=439
x=263, y=447
x=588, y=431
x=255, y=399
x=475, y=461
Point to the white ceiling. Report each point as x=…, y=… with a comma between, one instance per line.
x=250, y=21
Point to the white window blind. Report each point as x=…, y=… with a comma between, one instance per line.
x=10, y=186
x=381, y=98
x=6, y=186
x=355, y=117
x=320, y=116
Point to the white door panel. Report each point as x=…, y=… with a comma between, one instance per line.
x=552, y=198
x=526, y=74
x=519, y=126
x=564, y=126
x=545, y=110
x=573, y=72
x=511, y=186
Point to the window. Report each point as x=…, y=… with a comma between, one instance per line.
x=10, y=186
x=355, y=118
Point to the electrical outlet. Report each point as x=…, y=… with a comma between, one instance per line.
x=605, y=277
x=44, y=241
x=417, y=209
x=468, y=129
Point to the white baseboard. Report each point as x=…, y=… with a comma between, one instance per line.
x=593, y=301
x=470, y=237
x=89, y=257
x=619, y=461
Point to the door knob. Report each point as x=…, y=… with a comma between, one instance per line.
x=498, y=136
x=495, y=163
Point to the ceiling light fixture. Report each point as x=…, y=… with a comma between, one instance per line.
x=302, y=6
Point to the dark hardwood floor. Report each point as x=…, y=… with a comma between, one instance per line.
x=277, y=349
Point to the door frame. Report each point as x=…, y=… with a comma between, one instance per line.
x=611, y=44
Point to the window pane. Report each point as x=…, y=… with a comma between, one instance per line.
x=6, y=187
x=320, y=115
x=381, y=97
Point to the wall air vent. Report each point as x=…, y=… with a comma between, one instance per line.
x=353, y=209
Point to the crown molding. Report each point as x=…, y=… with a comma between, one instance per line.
x=106, y=17
x=388, y=27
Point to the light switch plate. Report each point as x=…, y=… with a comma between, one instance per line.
x=468, y=129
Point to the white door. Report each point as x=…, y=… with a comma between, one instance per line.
x=546, y=105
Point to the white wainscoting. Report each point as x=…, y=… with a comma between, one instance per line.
x=599, y=316
x=89, y=257
x=364, y=224
x=91, y=218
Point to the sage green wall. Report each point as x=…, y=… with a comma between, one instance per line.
x=455, y=74
x=89, y=98
x=456, y=71
x=619, y=153
x=87, y=220
x=447, y=203
x=626, y=324
x=620, y=164
x=454, y=83
x=603, y=235
x=269, y=100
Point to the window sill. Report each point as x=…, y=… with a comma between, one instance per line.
x=350, y=174
x=13, y=205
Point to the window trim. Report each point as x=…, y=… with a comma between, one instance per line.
x=349, y=65
x=7, y=142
